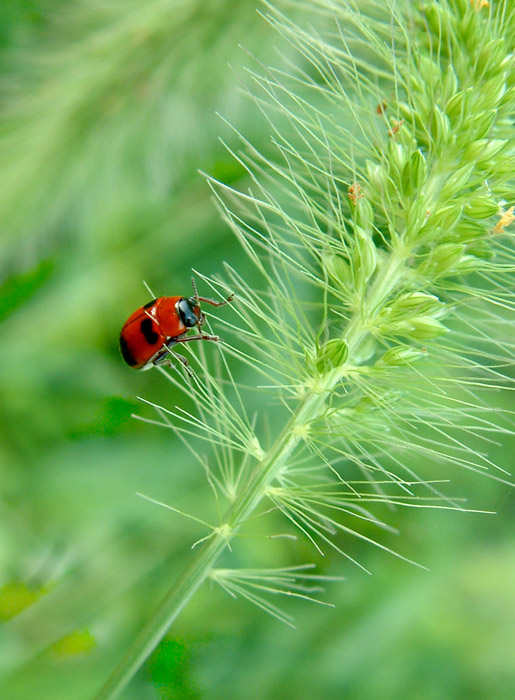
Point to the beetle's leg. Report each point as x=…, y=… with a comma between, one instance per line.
x=215, y=303
x=201, y=321
x=182, y=359
x=163, y=358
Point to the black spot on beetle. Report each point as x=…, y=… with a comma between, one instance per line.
x=149, y=304
x=126, y=353
x=146, y=327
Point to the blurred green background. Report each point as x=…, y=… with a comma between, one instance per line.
x=108, y=113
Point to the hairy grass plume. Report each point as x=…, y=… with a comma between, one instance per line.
x=377, y=313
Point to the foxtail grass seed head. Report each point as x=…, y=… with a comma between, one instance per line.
x=363, y=246
x=380, y=303
x=382, y=258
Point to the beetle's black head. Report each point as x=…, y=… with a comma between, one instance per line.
x=189, y=312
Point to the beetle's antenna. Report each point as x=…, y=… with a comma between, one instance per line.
x=195, y=295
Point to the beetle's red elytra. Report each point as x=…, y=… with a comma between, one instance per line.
x=152, y=330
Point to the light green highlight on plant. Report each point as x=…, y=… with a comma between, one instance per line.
x=371, y=232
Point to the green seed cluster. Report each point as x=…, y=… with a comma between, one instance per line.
x=438, y=178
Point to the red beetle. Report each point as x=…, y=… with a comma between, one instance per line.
x=152, y=330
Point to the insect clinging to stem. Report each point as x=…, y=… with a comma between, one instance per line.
x=152, y=330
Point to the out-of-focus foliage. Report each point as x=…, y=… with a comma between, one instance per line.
x=108, y=113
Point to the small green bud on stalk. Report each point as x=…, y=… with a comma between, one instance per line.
x=332, y=354
x=364, y=258
x=423, y=327
x=482, y=207
x=401, y=355
x=376, y=176
x=415, y=304
x=410, y=116
x=426, y=328
x=414, y=173
x=338, y=270
x=484, y=149
x=363, y=214
x=430, y=69
x=450, y=82
x=495, y=88
x=397, y=156
x=467, y=231
x=458, y=104
x=469, y=263
x=440, y=127
x=442, y=259
x=492, y=54
x=457, y=181
x=416, y=218
x=447, y=217
x=483, y=123
x=481, y=249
